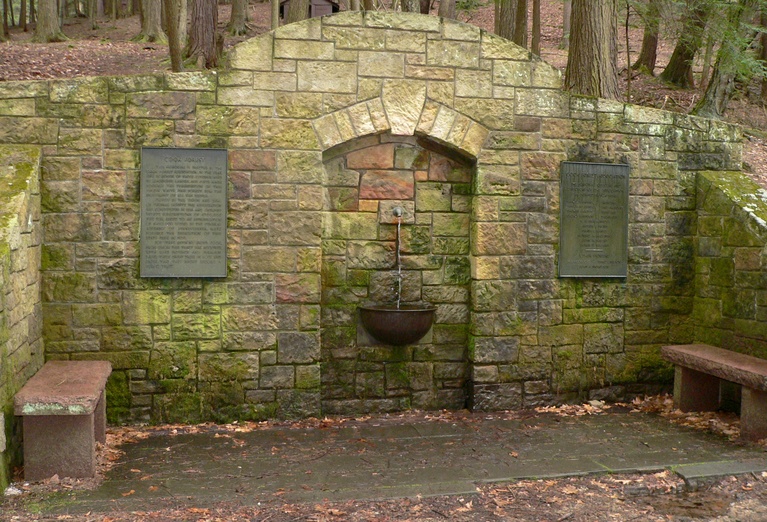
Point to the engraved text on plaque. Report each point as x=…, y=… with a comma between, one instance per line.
x=183, y=212
x=594, y=220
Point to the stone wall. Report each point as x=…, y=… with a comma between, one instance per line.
x=278, y=336
x=21, y=346
x=731, y=262
x=366, y=180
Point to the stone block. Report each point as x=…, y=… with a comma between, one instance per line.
x=387, y=184
x=301, y=348
x=254, y=54
x=281, y=133
x=403, y=101
x=227, y=367
x=385, y=65
x=338, y=77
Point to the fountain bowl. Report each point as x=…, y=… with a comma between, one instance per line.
x=397, y=326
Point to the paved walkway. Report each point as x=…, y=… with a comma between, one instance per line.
x=402, y=456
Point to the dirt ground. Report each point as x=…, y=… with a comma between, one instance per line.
x=658, y=497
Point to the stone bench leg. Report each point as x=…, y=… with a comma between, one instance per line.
x=695, y=391
x=100, y=419
x=753, y=414
x=59, y=444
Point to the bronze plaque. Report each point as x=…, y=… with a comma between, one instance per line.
x=594, y=201
x=183, y=212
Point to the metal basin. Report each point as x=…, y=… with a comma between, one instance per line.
x=397, y=326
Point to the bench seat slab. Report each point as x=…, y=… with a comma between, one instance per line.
x=731, y=366
x=63, y=388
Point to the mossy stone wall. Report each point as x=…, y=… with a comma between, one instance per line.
x=254, y=344
x=21, y=342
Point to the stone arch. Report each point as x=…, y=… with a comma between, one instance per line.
x=402, y=111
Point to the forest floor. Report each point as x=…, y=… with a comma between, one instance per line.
x=109, y=50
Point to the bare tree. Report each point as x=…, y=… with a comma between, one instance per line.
x=48, y=28
x=648, y=55
x=203, y=45
x=592, y=61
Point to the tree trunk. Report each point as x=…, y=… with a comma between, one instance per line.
x=707, y=55
x=32, y=12
x=48, y=28
x=763, y=38
x=411, y=6
x=4, y=32
x=151, y=22
x=202, y=37
x=592, y=61
x=23, y=16
x=520, y=24
x=738, y=39
x=237, y=25
x=425, y=6
x=679, y=69
x=567, y=9
x=505, y=18
x=172, y=23
x=297, y=10
x=447, y=8
x=535, y=45
x=183, y=12
x=275, y=14
x=92, y=8
x=648, y=55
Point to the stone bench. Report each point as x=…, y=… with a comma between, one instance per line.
x=698, y=370
x=64, y=414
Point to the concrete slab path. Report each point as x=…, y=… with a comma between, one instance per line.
x=401, y=456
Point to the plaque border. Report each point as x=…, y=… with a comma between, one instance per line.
x=624, y=230
x=223, y=270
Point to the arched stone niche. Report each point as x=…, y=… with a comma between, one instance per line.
x=365, y=180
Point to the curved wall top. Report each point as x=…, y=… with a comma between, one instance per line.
x=404, y=73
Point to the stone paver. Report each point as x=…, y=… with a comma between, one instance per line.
x=400, y=457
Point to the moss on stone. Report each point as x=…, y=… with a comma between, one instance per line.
x=646, y=366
